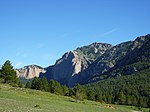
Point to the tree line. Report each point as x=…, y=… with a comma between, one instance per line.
x=133, y=90
x=9, y=76
x=77, y=92
x=125, y=90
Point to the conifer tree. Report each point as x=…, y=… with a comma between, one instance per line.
x=55, y=87
x=28, y=85
x=36, y=84
x=44, y=84
x=79, y=92
x=9, y=74
x=65, y=90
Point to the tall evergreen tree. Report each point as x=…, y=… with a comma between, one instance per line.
x=55, y=87
x=128, y=100
x=65, y=90
x=71, y=92
x=98, y=97
x=9, y=74
x=91, y=95
x=0, y=74
x=79, y=92
x=121, y=98
x=36, y=84
x=44, y=84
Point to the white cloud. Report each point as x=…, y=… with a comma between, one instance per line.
x=18, y=64
x=106, y=33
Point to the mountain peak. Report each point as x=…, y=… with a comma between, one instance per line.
x=94, y=50
x=30, y=71
x=100, y=43
x=143, y=38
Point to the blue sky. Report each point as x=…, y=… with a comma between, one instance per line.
x=41, y=31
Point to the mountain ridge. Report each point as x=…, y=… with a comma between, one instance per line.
x=30, y=71
x=83, y=63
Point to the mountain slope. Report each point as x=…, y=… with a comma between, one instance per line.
x=94, y=62
x=139, y=54
x=133, y=89
x=116, y=56
x=136, y=60
x=75, y=62
x=93, y=51
x=25, y=100
x=29, y=72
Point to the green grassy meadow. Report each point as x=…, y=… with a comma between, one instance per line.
x=14, y=99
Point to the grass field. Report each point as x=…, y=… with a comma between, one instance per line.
x=25, y=100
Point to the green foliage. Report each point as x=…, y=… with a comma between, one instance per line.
x=91, y=95
x=65, y=90
x=28, y=84
x=71, y=92
x=55, y=87
x=93, y=51
x=129, y=90
x=0, y=74
x=14, y=99
x=9, y=74
x=44, y=84
x=36, y=84
x=121, y=98
x=79, y=92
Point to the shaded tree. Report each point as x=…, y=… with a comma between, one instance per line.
x=71, y=92
x=65, y=90
x=121, y=98
x=28, y=84
x=98, y=97
x=55, y=87
x=148, y=104
x=44, y=84
x=91, y=95
x=128, y=100
x=79, y=93
x=36, y=84
x=9, y=74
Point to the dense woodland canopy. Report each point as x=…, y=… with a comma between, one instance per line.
x=128, y=90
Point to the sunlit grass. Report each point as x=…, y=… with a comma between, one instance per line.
x=26, y=100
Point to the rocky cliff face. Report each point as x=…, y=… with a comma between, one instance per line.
x=110, y=58
x=126, y=58
x=93, y=51
x=85, y=62
x=88, y=61
x=69, y=65
x=73, y=63
x=29, y=72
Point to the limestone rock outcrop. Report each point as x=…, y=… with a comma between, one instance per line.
x=29, y=72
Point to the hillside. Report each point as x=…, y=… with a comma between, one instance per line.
x=72, y=63
x=26, y=100
x=127, y=58
x=95, y=61
x=128, y=82
x=133, y=89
